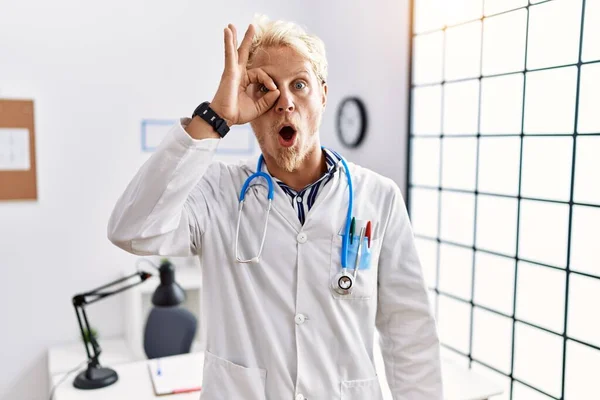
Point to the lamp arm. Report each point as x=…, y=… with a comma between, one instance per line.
x=83, y=299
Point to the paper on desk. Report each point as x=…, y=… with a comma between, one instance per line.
x=14, y=149
x=177, y=374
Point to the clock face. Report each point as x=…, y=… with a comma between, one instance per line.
x=351, y=122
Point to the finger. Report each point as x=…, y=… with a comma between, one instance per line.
x=244, y=50
x=265, y=103
x=257, y=75
x=235, y=41
x=230, y=53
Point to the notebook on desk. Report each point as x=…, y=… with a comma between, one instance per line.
x=178, y=374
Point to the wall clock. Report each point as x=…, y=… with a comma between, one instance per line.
x=351, y=121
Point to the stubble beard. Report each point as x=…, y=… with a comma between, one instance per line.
x=288, y=159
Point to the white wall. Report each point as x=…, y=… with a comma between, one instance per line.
x=95, y=70
x=367, y=45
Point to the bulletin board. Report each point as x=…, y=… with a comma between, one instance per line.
x=17, y=150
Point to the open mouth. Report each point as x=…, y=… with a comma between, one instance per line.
x=287, y=134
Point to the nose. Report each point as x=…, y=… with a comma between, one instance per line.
x=284, y=103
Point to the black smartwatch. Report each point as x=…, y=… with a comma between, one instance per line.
x=206, y=113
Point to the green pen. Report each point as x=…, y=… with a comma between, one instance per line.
x=352, y=230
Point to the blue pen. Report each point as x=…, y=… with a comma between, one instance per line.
x=158, y=370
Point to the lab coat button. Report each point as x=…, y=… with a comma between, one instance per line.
x=300, y=397
x=300, y=318
x=302, y=237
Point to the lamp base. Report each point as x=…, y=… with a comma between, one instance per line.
x=95, y=378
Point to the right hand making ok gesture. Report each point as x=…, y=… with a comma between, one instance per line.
x=231, y=101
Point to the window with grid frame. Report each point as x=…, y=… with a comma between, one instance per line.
x=504, y=187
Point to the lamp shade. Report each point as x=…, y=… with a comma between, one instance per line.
x=168, y=293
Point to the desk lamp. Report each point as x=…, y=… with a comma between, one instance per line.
x=168, y=293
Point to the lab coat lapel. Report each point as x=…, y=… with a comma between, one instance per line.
x=335, y=192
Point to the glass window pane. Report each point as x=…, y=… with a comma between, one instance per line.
x=550, y=101
x=428, y=58
x=502, y=104
x=504, y=43
x=429, y=15
x=522, y=392
x=454, y=321
x=546, y=170
x=589, y=99
x=494, y=282
x=427, y=250
x=457, y=217
x=591, y=31
x=458, y=11
x=459, y=162
x=427, y=110
x=463, y=51
x=538, y=359
x=543, y=232
x=456, y=270
x=461, y=107
x=554, y=29
x=585, y=232
x=424, y=210
x=541, y=296
x=499, y=165
x=425, y=161
x=498, y=6
x=495, y=378
x=492, y=339
x=584, y=319
x=587, y=165
x=583, y=364
x=497, y=224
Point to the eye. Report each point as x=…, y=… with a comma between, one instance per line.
x=263, y=89
x=299, y=85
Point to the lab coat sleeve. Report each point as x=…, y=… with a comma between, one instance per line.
x=406, y=325
x=163, y=210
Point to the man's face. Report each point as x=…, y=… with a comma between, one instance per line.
x=288, y=132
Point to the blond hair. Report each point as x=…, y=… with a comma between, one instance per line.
x=282, y=33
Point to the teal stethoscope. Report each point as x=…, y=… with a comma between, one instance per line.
x=343, y=281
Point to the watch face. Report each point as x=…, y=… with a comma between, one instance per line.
x=351, y=122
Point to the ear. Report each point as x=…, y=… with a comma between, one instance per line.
x=324, y=94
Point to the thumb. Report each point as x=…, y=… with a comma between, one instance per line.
x=267, y=101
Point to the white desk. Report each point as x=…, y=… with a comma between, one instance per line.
x=135, y=383
x=465, y=384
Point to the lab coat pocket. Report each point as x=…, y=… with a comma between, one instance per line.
x=361, y=389
x=365, y=283
x=224, y=380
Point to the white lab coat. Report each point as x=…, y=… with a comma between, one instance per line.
x=276, y=330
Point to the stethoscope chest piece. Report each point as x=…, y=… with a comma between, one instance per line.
x=342, y=283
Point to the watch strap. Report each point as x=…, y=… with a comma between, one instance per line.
x=209, y=115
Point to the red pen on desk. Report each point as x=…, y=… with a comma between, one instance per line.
x=368, y=233
x=178, y=391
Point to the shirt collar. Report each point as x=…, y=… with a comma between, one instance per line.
x=331, y=160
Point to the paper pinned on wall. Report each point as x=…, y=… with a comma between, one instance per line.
x=14, y=149
x=240, y=141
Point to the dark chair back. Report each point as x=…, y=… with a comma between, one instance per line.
x=169, y=331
